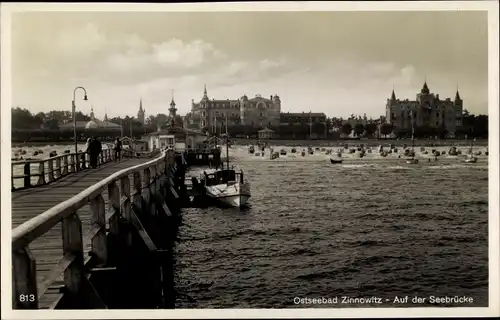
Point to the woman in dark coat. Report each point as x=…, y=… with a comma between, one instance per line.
x=95, y=150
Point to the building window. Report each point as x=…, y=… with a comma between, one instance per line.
x=261, y=114
x=458, y=123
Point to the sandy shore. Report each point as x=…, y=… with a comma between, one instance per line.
x=367, y=142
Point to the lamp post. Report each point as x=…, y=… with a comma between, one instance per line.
x=74, y=117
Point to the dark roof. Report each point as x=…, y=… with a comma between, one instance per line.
x=304, y=114
x=260, y=99
x=266, y=130
x=177, y=131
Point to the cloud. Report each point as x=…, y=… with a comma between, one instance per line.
x=171, y=55
x=82, y=43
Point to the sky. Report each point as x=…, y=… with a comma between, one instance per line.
x=339, y=63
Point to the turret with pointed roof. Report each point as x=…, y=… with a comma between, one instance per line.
x=172, y=110
x=205, y=95
x=425, y=88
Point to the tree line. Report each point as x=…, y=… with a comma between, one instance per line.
x=23, y=119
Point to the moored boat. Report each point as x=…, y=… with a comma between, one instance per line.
x=411, y=152
x=227, y=187
x=470, y=157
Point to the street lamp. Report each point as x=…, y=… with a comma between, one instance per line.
x=74, y=117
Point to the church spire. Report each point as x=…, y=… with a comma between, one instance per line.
x=393, y=95
x=92, y=113
x=457, y=95
x=105, y=115
x=140, y=105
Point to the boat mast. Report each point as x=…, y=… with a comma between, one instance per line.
x=412, y=136
x=227, y=144
x=310, y=125
x=471, y=142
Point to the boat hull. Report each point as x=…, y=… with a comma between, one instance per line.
x=235, y=195
x=334, y=161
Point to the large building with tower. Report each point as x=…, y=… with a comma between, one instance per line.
x=427, y=110
x=258, y=112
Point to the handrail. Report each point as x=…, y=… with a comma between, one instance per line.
x=25, y=233
x=57, y=168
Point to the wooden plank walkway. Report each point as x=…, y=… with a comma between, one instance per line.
x=28, y=203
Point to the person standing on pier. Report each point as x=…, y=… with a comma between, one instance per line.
x=87, y=150
x=118, y=149
x=94, y=151
x=99, y=150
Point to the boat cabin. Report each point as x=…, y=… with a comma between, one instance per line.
x=222, y=177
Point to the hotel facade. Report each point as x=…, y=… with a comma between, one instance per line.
x=427, y=110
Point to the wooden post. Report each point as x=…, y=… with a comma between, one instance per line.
x=27, y=175
x=24, y=280
x=41, y=172
x=83, y=160
x=65, y=165
x=137, y=198
x=146, y=195
x=76, y=162
x=73, y=167
x=152, y=191
x=58, y=167
x=50, y=163
x=125, y=205
x=114, y=223
x=99, y=246
x=146, y=178
x=73, y=247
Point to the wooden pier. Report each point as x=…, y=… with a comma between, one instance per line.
x=98, y=238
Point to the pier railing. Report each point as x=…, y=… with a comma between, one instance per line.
x=152, y=185
x=38, y=172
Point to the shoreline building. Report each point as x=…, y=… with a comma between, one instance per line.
x=427, y=110
x=174, y=135
x=211, y=114
x=94, y=123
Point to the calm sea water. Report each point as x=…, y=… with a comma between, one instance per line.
x=368, y=227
